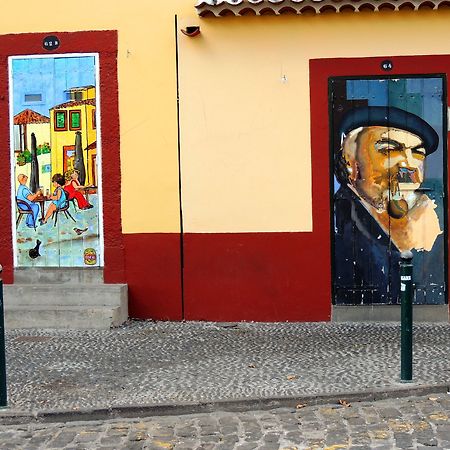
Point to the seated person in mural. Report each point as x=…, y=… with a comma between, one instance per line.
x=74, y=189
x=379, y=208
x=24, y=194
x=58, y=198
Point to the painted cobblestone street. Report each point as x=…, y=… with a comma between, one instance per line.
x=408, y=423
x=148, y=363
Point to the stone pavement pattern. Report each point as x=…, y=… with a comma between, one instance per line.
x=408, y=423
x=146, y=363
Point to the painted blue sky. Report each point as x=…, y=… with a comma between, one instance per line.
x=50, y=77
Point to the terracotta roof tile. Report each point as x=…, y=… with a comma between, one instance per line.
x=89, y=101
x=28, y=116
x=219, y=8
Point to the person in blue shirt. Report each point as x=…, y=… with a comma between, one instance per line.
x=58, y=198
x=24, y=194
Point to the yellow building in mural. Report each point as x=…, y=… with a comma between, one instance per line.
x=66, y=119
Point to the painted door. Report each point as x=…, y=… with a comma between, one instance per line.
x=56, y=200
x=68, y=157
x=388, y=146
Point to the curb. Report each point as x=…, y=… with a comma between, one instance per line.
x=14, y=417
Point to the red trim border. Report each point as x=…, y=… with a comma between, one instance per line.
x=105, y=44
x=320, y=71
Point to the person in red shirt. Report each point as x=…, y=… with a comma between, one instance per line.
x=75, y=189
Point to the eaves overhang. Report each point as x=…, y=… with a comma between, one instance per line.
x=220, y=8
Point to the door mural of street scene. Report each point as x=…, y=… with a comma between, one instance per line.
x=388, y=139
x=55, y=184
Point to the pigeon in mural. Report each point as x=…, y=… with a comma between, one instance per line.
x=34, y=252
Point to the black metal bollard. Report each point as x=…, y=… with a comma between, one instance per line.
x=3, y=393
x=406, y=270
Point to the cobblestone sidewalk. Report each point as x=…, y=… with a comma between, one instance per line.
x=146, y=363
x=408, y=423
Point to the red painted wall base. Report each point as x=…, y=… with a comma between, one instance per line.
x=153, y=269
x=228, y=277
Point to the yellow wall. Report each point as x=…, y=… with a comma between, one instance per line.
x=245, y=137
x=60, y=139
x=88, y=93
x=245, y=114
x=42, y=133
x=44, y=178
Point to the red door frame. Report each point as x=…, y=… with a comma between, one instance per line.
x=320, y=70
x=105, y=44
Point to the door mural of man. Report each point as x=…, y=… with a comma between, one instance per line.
x=388, y=194
x=53, y=101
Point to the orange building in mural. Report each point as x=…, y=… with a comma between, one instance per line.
x=219, y=143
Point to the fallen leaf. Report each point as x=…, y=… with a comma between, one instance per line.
x=291, y=377
x=345, y=403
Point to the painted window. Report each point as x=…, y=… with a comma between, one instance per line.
x=75, y=120
x=32, y=98
x=94, y=125
x=60, y=120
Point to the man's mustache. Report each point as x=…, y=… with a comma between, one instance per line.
x=398, y=207
x=406, y=175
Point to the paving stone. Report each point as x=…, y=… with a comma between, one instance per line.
x=148, y=362
x=272, y=437
x=160, y=362
x=332, y=431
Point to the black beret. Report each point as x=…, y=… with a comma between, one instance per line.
x=367, y=116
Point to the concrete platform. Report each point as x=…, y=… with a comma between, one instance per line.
x=61, y=298
x=388, y=313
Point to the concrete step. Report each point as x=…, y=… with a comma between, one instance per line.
x=67, y=294
x=65, y=305
x=58, y=275
x=66, y=317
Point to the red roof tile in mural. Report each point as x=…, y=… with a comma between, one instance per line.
x=28, y=116
x=218, y=8
x=89, y=101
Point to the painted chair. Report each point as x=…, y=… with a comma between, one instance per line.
x=65, y=210
x=72, y=200
x=23, y=208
